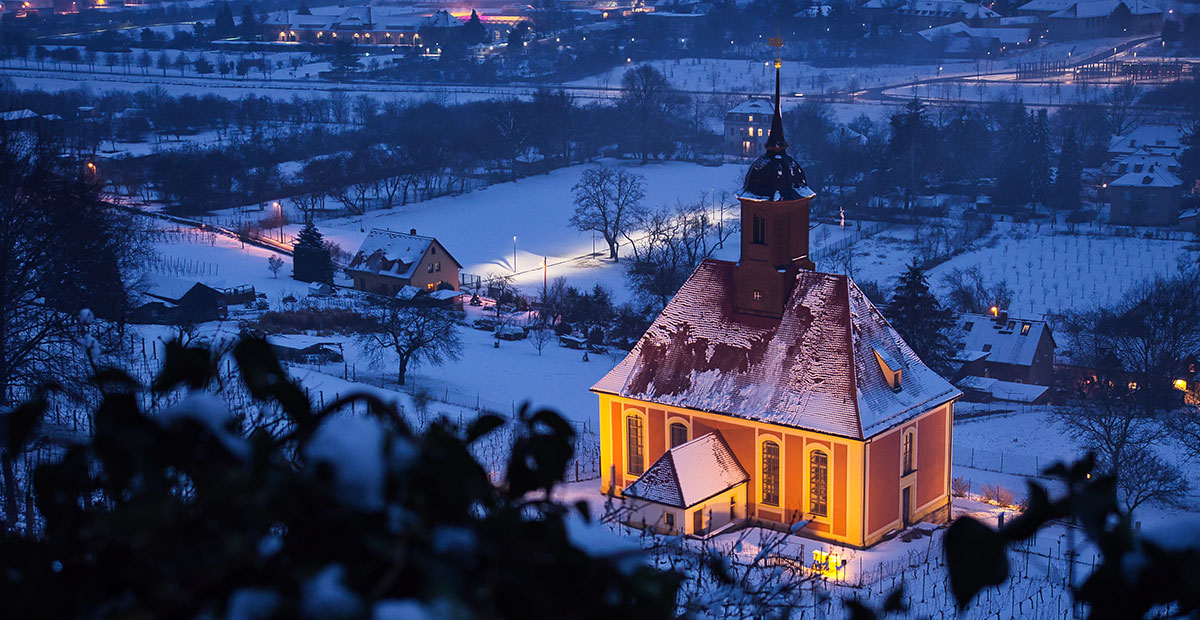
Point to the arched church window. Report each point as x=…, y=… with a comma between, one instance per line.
x=770, y=473
x=818, y=483
x=634, y=432
x=909, y=440
x=679, y=433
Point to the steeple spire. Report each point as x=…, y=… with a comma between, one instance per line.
x=775, y=140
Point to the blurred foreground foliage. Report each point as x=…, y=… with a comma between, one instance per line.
x=183, y=515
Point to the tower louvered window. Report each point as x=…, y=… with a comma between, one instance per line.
x=760, y=229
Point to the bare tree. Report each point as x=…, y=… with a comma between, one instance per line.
x=1108, y=421
x=274, y=263
x=608, y=201
x=672, y=244
x=1144, y=477
x=416, y=334
x=1120, y=109
x=539, y=336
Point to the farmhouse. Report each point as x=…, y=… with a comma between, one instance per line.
x=770, y=394
x=1004, y=358
x=746, y=127
x=1080, y=19
x=388, y=261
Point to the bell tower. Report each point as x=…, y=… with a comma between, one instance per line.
x=775, y=201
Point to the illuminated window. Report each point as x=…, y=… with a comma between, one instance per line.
x=633, y=439
x=1025, y=329
x=907, y=458
x=750, y=118
x=818, y=484
x=437, y=266
x=770, y=473
x=760, y=229
x=679, y=434
x=760, y=132
x=757, y=295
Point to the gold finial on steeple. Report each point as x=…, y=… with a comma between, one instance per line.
x=777, y=43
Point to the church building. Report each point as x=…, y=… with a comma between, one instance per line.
x=767, y=393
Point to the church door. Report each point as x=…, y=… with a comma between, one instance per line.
x=698, y=522
x=906, y=507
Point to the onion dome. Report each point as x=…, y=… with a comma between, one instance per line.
x=775, y=175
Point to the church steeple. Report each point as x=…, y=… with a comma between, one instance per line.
x=775, y=141
x=775, y=219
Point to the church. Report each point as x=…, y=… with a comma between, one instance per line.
x=767, y=393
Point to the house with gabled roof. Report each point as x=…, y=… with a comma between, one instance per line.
x=746, y=127
x=388, y=261
x=1003, y=357
x=1150, y=197
x=844, y=434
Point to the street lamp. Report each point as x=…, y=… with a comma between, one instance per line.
x=514, y=253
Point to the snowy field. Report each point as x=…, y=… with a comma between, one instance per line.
x=1047, y=272
x=757, y=76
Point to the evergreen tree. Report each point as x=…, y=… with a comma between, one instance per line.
x=912, y=143
x=249, y=28
x=1039, y=159
x=921, y=320
x=304, y=10
x=516, y=38
x=223, y=27
x=473, y=31
x=1012, y=178
x=1067, y=183
x=310, y=258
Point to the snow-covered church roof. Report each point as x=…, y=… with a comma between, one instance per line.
x=690, y=473
x=816, y=368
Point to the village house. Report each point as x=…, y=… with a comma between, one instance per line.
x=1148, y=198
x=746, y=128
x=1002, y=357
x=361, y=25
x=388, y=261
x=1087, y=19
x=767, y=393
x=915, y=15
x=1148, y=140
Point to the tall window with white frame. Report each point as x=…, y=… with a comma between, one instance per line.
x=907, y=452
x=679, y=434
x=770, y=473
x=633, y=440
x=818, y=484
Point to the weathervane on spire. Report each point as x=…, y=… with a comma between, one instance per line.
x=777, y=43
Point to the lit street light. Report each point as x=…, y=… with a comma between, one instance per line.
x=514, y=253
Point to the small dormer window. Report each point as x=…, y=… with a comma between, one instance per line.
x=891, y=369
x=1025, y=329
x=987, y=347
x=967, y=327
